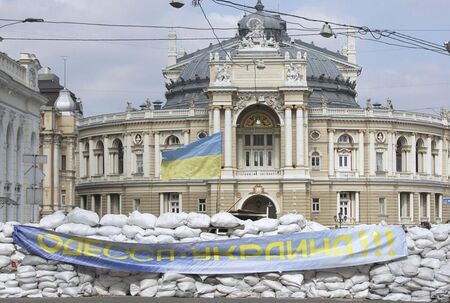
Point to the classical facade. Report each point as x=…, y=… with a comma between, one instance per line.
x=58, y=138
x=295, y=138
x=20, y=103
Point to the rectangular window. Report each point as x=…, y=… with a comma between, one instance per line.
x=63, y=162
x=344, y=162
x=269, y=158
x=174, y=203
x=315, y=205
x=201, y=205
x=437, y=203
x=97, y=207
x=344, y=198
x=379, y=159
x=423, y=206
x=404, y=205
x=258, y=140
x=139, y=164
x=315, y=162
x=63, y=197
x=382, y=206
x=248, y=140
x=115, y=204
x=247, y=158
x=269, y=140
x=137, y=204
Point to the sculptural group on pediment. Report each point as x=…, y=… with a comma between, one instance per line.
x=256, y=38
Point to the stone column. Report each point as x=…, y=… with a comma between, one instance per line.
x=429, y=159
x=106, y=157
x=338, y=202
x=288, y=137
x=92, y=169
x=93, y=203
x=440, y=207
x=399, y=206
x=411, y=206
x=412, y=158
x=446, y=164
x=56, y=181
x=157, y=155
x=227, y=138
x=440, y=163
x=80, y=160
x=146, y=155
x=361, y=153
x=128, y=163
x=428, y=214
x=372, y=154
x=300, y=131
x=390, y=160
x=186, y=137
x=216, y=125
x=108, y=204
x=161, y=203
x=331, y=152
x=357, y=207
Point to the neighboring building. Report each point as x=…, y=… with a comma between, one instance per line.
x=295, y=138
x=20, y=103
x=58, y=142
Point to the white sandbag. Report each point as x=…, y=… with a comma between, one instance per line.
x=268, y=294
x=328, y=277
x=203, y=288
x=6, y=249
x=8, y=228
x=424, y=243
x=134, y=289
x=83, y=216
x=440, y=232
x=293, y=219
x=149, y=292
x=335, y=286
x=52, y=221
x=146, y=239
x=130, y=231
x=360, y=287
x=118, y=289
x=5, y=239
x=172, y=276
x=108, y=231
x=70, y=291
x=425, y=273
x=359, y=278
x=275, y=285
x=225, y=220
x=4, y=261
x=267, y=224
x=163, y=239
x=195, y=220
x=164, y=231
x=288, y=229
x=171, y=220
x=227, y=281
x=292, y=279
x=186, y=286
x=186, y=232
x=165, y=293
x=439, y=254
x=113, y=220
x=314, y=226
x=431, y=263
x=298, y=295
x=11, y=291
x=146, y=283
x=17, y=256
x=33, y=260
x=417, y=233
x=340, y=293
x=143, y=220
x=65, y=275
x=76, y=229
x=226, y=289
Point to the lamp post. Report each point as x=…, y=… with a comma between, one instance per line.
x=340, y=219
x=447, y=46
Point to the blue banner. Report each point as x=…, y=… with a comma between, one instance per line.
x=298, y=251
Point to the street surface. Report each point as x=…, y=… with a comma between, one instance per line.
x=178, y=300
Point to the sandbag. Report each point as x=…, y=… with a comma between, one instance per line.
x=76, y=229
x=52, y=221
x=225, y=220
x=108, y=231
x=130, y=231
x=113, y=220
x=6, y=249
x=186, y=232
x=171, y=220
x=83, y=216
x=293, y=219
x=267, y=224
x=195, y=220
x=143, y=220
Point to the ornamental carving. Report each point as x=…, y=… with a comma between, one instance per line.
x=223, y=75
x=256, y=39
x=137, y=139
x=272, y=100
x=380, y=137
x=258, y=120
x=293, y=74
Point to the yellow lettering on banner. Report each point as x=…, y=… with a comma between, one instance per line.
x=216, y=253
x=50, y=249
x=390, y=242
x=348, y=246
x=92, y=251
x=67, y=250
x=245, y=254
x=108, y=255
x=273, y=245
x=325, y=249
x=229, y=252
x=133, y=252
x=364, y=243
x=301, y=248
x=202, y=256
x=160, y=254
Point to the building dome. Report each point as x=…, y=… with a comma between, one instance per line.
x=65, y=104
x=273, y=25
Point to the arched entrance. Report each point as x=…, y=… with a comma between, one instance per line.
x=259, y=206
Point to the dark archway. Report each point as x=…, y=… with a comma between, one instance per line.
x=259, y=206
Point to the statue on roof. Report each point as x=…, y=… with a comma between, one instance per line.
x=256, y=37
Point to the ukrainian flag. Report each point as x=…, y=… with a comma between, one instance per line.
x=201, y=159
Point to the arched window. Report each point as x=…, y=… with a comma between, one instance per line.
x=99, y=157
x=172, y=140
x=420, y=156
x=345, y=139
x=345, y=151
x=86, y=159
x=401, y=153
x=315, y=161
x=117, y=156
x=33, y=144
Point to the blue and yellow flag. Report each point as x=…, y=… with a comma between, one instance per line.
x=201, y=159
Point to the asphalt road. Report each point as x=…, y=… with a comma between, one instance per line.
x=177, y=300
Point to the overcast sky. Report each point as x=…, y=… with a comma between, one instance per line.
x=105, y=75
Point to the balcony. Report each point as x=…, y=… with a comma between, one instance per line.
x=347, y=174
x=266, y=173
x=405, y=220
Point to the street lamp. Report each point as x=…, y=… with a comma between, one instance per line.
x=27, y=20
x=177, y=3
x=340, y=219
x=447, y=45
x=326, y=31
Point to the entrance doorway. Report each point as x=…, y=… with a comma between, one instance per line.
x=259, y=206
